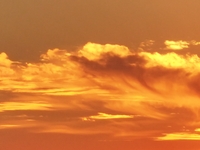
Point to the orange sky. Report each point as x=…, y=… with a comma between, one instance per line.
x=106, y=92
x=117, y=77
x=29, y=28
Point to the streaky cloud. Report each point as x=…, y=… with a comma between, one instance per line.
x=110, y=84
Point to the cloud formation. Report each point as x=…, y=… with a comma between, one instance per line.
x=107, y=116
x=135, y=94
x=179, y=45
x=180, y=136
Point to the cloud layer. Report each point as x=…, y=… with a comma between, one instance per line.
x=179, y=45
x=104, y=89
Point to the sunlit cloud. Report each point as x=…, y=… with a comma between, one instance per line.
x=197, y=130
x=193, y=42
x=107, y=116
x=9, y=106
x=173, y=61
x=180, y=136
x=176, y=45
x=146, y=45
x=5, y=62
x=104, y=85
x=179, y=45
x=94, y=51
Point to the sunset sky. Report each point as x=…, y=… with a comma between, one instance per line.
x=99, y=75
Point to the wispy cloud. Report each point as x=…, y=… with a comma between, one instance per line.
x=9, y=106
x=146, y=45
x=180, y=136
x=107, y=116
x=99, y=86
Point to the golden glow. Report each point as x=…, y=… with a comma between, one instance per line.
x=146, y=45
x=79, y=87
x=180, y=136
x=107, y=116
x=197, y=130
x=176, y=45
x=173, y=61
x=9, y=106
x=5, y=126
x=94, y=51
x=5, y=62
x=179, y=45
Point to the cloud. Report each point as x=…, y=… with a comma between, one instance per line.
x=146, y=45
x=176, y=45
x=197, y=130
x=107, y=116
x=180, y=136
x=100, y=86
x=189, y=63
x=9, y=106
x=6, y=126
x=94, y=51
x=179, y=45
x=5, y=62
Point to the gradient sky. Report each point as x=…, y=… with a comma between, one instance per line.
x=99, y=74
x=29, y=28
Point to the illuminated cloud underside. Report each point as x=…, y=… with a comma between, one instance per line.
x=9, y=106
x=107, y=116
x=179, y=45
x=66, y=90
x=180, y=136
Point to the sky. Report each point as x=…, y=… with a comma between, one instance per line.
x=105, y=75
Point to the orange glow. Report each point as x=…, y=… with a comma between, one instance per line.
x=180, y=136
x=5, y=126
x=9, y=106
x=99, y=75
x=179, y=45
x=176, y=45
x=104, y=89
x=108, y=116
x=94, y=51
